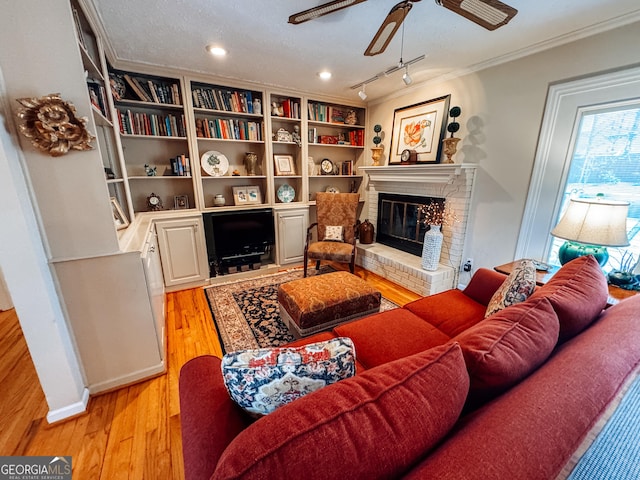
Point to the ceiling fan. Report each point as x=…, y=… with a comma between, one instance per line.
x=490, y=14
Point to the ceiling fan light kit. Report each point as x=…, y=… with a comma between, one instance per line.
x=490, y=14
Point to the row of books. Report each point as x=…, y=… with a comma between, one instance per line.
x=181, y=166
x=154, y=91
x=287, y=108
x=319, y=112
x=138, y=123
x=98, y=96
x=228, y=129
x=352, y=137
x=222, y=99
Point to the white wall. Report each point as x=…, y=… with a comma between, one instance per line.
x=31, y=285
x=502, y=109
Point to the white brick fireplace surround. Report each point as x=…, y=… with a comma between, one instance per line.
x=454, y=183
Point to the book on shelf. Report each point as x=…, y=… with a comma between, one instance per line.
x=79, y=32
x=153, y=91
x=226, y=100
x=140, y=123
x=181, y=166
x=98, y=96
x=228, y=129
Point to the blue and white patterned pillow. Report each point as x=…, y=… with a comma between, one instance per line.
x=262, y=380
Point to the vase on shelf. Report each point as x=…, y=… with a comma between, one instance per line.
x=376, y=155
x=431, y=248
x=219, y=200
x=450, y=147
x=251, y=163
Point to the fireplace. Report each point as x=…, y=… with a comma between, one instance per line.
x=400, y=224
x=451, y=183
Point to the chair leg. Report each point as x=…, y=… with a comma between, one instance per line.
x=317, y=265
x=352, y=265
x=305, y=263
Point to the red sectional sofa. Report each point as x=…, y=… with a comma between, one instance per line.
x=440, y=391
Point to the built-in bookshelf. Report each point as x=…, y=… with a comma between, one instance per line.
x=153, y=132
x=335, y=133
x=286, y=145
x=229, y=126
x=96, y=75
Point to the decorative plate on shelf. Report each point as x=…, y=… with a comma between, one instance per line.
x=331, y=189
x=214, y=163
x=286, y=193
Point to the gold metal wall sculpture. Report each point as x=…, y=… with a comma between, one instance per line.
x=52, y=125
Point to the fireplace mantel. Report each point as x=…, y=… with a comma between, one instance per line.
x=441, y=173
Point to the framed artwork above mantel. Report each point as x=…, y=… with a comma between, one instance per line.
x=419, y=128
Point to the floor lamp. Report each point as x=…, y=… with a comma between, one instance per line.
x=590, y=226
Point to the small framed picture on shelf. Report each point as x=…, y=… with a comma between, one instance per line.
x=249, y=195
x=181, y=202
x=119, y=218
x=284, y=165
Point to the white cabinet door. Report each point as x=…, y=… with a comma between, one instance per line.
x=183, y=251
x=292, y=229
x=155, y=285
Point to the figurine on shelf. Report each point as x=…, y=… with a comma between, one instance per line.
x=150, y=171
x=257, y=106
x=351, y=118
x=296, y=135
x=276, y=110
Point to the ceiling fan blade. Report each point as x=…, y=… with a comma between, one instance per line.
x=388, y=28
x=490, y=14
x=322, y=10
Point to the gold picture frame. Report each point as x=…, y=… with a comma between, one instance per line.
x=284, y=165
x=420, y=127
x=119, y=218
x=247, y=195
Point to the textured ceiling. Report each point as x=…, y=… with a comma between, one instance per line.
x=264, y=48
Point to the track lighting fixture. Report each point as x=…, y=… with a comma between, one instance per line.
x=406, y=78
x=362, y=94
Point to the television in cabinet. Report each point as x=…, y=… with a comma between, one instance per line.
x=238, y=240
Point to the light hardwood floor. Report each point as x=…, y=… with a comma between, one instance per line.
x=131, y=433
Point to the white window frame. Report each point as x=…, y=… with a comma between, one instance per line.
x=566, y=103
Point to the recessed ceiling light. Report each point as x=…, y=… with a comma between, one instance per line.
x=324, y=75
x=217, y=51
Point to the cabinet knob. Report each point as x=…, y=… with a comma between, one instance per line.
x=152, y=248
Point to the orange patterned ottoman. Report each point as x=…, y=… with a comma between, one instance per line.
x=321, y=302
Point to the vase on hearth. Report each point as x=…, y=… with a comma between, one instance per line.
x=431, y=248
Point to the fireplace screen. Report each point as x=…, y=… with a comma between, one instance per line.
x=400, y=223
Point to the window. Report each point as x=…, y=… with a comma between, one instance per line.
x=589, y=143
x=606, y=159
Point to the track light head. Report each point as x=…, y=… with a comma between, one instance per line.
x=362, y=94
x=406, y=78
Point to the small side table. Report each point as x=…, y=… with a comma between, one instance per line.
x=616, y=294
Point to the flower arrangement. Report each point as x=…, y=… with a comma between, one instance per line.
x=438, y=213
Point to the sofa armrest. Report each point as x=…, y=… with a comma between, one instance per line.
x=209, y=419
x=483, y=285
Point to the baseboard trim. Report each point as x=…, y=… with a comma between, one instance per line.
x=126, y=380
x=69, y=411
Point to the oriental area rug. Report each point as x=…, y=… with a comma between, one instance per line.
x=246, y=313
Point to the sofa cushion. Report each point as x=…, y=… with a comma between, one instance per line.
x=516, y=288
x=451, y=312
x=578, y=292
x=390, y=335
x=504, y=348
x=262, y=380
x=374, y=425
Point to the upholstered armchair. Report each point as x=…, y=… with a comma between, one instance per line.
x=336, y=215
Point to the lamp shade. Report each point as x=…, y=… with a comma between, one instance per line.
x=594, y=222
